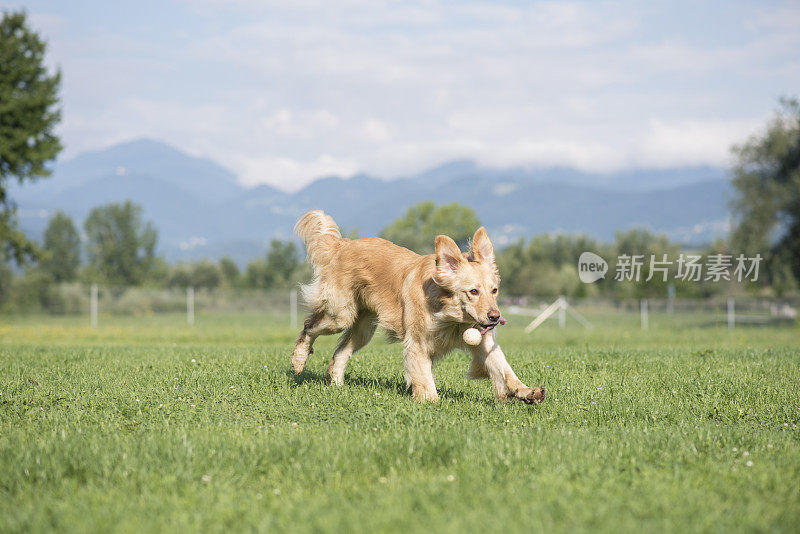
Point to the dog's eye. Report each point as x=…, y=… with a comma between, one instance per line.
x=494, y=291
x=473, y=291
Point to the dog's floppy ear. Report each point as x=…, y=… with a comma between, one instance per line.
x=481, y=248
x=448, y=258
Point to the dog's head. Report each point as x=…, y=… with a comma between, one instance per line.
x=471, y=280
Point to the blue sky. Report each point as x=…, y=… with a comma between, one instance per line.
x=283, y=92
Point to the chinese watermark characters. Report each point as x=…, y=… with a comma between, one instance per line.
x=687, y=267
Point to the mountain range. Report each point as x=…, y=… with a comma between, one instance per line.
x=201, y=210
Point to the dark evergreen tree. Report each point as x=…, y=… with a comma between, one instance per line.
x=29, y=114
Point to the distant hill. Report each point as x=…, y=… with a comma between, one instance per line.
x=200, y=209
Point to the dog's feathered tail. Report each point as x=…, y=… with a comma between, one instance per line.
x=321, y=236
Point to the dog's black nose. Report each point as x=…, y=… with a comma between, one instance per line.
x=493, y=315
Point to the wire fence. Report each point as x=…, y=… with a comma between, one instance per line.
x=283, y=306
x=739, y=311
x=101, y=299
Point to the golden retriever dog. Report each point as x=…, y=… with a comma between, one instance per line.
x=427, y=302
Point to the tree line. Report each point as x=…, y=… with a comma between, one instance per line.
x=546, y=265
x=118, y=249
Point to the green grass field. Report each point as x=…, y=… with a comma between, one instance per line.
x=147, y=425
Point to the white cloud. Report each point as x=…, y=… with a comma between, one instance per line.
x=375, y=130
x=291, y=174
x=302, y=125
x=284, y=92
x=692, y=142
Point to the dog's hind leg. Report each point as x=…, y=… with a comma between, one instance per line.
x=319, y=323
x=477, y=367
x=352, y=340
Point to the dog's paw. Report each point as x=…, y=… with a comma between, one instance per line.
x=424, y=395
x=335, y=379
x=298, y=363
x=531, y=395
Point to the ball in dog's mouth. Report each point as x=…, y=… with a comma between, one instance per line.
x=472, y=336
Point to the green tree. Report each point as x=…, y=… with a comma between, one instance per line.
x=516, y=270
x=35, y=291
x=6, y=283
x=418, y=228
x=547, y=266
x=121, y=247
x=766, y=205
x=62, y=246
x=180, y=275
x=279, y=269
x=230, y=271
x=282, y=261
x=158, y=273
x=28, y=117
x=206, y=274
x=256, y=275
x=645, y=249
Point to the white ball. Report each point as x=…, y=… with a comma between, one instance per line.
x=472, y=336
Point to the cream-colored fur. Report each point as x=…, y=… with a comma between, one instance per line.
x=424, y=301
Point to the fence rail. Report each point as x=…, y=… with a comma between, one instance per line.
x=733, y=311
x=97, y=300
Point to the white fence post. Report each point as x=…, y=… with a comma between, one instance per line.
x=190, y=305
x=293, y=309
x=731, y=313
x=645, y=323
x=562, y=312
x=93, y=305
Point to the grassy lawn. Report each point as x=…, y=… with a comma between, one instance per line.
x=147, y=425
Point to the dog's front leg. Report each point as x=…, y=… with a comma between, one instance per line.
x=488, y=357
x=419, y=372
